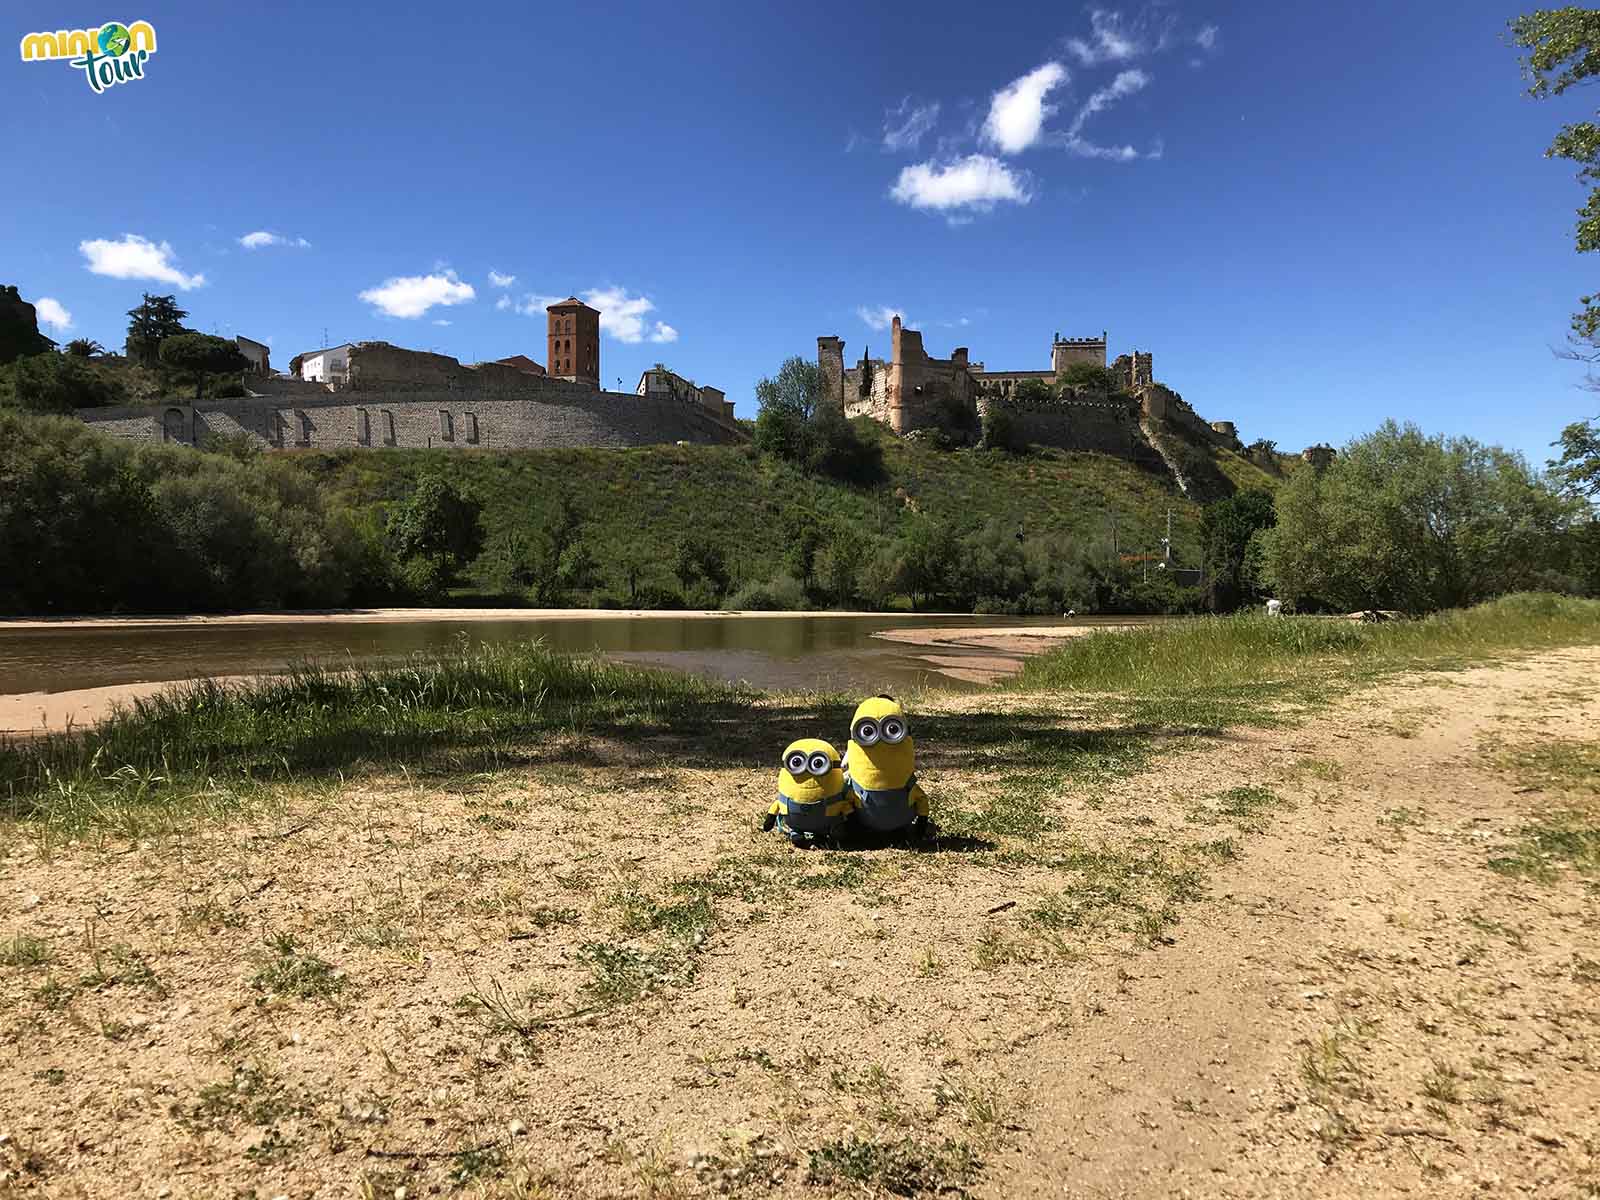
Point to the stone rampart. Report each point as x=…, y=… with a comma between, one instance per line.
x=567, y=415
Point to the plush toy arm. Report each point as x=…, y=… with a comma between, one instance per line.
x=770, y=817
x=919, y=799
x=843, y=806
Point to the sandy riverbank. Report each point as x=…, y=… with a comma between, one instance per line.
x=27, y=714
x=1008, y=647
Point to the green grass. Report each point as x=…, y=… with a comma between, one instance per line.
x=905, y=1167
x=1566, y=835
x=24, y=950
x=1241, y=667
x=288, y=969
x=208, y=743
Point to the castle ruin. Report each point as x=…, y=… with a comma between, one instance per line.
x=912, y=391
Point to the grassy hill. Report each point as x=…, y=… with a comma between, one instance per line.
x=652, y=496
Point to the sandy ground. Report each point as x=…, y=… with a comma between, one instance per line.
x=1009, y=646
x=25, y=714
x=1274, y=963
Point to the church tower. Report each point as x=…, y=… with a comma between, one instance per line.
x=574, y=342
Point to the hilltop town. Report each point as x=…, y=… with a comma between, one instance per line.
x=378, y=395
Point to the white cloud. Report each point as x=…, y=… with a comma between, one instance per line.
x=664, y=333
x=1018, y=111
x=622, y=315
x=880, y=317
x=533, y=306
x=1110, y=40
x=261, y=237
x=1125, y=84
x=440, y=321
x=1206, y=39
x=500, y=281
x=134, y=257
x=53, y=314
x=503, y=303
x=904, y=126
x=976, y=182
x=409, y=296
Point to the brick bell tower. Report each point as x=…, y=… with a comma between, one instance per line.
x=574, y=342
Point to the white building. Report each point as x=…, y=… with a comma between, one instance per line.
x=326, y=366
x=661, y=383
x=257, y=353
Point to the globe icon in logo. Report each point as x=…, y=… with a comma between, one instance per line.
x=114, y=39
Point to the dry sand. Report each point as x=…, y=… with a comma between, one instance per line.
x=407, y=615
x=1347, y=1003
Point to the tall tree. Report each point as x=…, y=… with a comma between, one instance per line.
x=1226, y=527
x=438, y=524
x=1562, y=51
x=156, y=319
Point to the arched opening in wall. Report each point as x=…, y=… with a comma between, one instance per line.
x=363, y=428
x=305, y=429
x=388, y=428
x=472, y=427
x=172, y=425
x=447, y=425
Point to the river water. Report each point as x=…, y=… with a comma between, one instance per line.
x=770, y=651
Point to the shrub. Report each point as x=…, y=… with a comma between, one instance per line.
x=782, y=593
x=57, y=383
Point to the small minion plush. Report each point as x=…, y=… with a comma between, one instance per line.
x=812, y=800
x=880, y=768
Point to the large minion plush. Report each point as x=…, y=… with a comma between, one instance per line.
x=812, y=800
x=880, y=768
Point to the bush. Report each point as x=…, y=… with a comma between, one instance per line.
x=57, y=383
x=782, y=593
x=228, y=389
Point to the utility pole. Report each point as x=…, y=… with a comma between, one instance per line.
x=1166, y=542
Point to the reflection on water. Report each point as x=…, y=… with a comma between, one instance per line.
x=777, y=652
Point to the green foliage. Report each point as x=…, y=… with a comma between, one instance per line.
x=1226, y=529
x=1090, y=377
x=156, y=319
x=1578, y=469
x=57, y=383
x=701, y=566
x=440, y=524
x=89, y=523
x=1404, y=521
x=1562, y=51
x=200, y=355
x=1000, y=431
x=546, y=563
x=84, y=348
x=796, y=425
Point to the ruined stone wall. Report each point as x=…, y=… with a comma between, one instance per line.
x=925, y=392
x=1161, y=403
x=1066, y=351
x=1105, y=426
x=423, y=418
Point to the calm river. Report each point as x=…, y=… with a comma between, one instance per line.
x=788, y=651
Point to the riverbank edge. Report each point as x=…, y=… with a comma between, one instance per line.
x=377, y=616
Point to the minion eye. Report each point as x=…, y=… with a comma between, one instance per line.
x=894, y=730
x=797, y=763
x=820, y=763
x=867, y=732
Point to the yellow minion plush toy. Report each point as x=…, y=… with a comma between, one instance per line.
x=812, y=800
x=880, y=768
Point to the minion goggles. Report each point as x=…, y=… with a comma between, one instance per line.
x=869, y=731
x=816, y=763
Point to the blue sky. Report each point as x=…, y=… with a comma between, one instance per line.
x=1316, y=216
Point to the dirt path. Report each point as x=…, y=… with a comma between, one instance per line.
x=1277, y=964
x=1367, y=1010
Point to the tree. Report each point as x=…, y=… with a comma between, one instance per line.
x=439, y=525
x=1226, y=527
x=201, y=354
x=156, y=319
x=1402, y=520
x=796, y=424
x=697, y=558
x=1577, y=471
x=929, y=553
x=1090, y=377
x=1000, y=430
x=84, y=348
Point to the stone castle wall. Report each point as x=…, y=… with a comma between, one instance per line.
x=427, y=417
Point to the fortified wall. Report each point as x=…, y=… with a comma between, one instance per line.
x=412, y=399
x=911, y=391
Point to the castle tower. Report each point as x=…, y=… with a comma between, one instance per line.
x=897, y=415
x=1065, y=351
x=574, y=342
x=830, y=362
